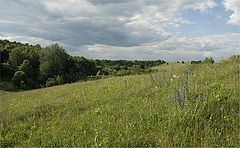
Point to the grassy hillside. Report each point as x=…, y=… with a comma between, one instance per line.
x=141, y=110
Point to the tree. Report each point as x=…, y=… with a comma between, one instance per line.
x=79, y=68
x=30, y=74
x=17, y=56
x=136, y=69
x=25, y=67
x=6, y=72
x=4, y=55
x=19, y=79
x=53, y=61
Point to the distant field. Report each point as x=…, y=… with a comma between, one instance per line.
x=130, y=111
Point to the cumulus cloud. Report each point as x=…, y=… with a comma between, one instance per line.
x=86, y=22
x=126, y=29
x=175, y=48
x=233, y=5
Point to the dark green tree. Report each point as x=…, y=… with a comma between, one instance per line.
x=17, y=56
x=4, y=55
x=30, y=74
x=53, y=61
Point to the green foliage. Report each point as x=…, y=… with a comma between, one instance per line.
x=59, y=80
x=39, y=64
x=196, y=62
x=19, y=79
x=136, y=69
x=53, y=61
x=26, y=67
x=123, y=67
x=51, y=82
x=6, y=72
x=4, y=55
x=16, y=57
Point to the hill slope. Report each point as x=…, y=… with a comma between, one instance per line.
x=142, y=110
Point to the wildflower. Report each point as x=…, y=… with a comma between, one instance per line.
x=176, y=96
x=174, y=76
x=171, y=80
x=225, y=117
x=97, y=110
x=156, y=87
x=178, y=77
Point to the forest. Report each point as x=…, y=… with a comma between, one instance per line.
x=25, y=66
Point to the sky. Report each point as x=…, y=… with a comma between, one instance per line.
x=127, y=29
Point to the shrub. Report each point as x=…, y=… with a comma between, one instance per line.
x=19, y=79
x=196, y=62
x=51, y=82
x=59, y=80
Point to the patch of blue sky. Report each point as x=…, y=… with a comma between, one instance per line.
x=211, y=22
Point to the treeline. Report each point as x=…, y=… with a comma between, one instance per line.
x=109, y=63
x=123, y=67
x=31, y=66
x=207, y=60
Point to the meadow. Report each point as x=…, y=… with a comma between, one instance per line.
x=180, y=105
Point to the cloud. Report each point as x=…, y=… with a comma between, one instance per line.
x=88, y=22
x=233, y=5
x=27, y=39
x=174, y=48
x=126, y=29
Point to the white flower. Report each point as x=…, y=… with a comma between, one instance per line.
x=97, y=110
x=178, y=77
x=171, y=80
x=156, y=87
x=174, y=76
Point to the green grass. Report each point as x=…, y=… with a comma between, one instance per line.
x=130, y=111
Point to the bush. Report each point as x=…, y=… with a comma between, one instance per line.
x=59, y=80
x=51, y=82
x=196, y=62
x=19, y=79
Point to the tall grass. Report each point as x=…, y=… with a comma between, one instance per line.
x=131, y=111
